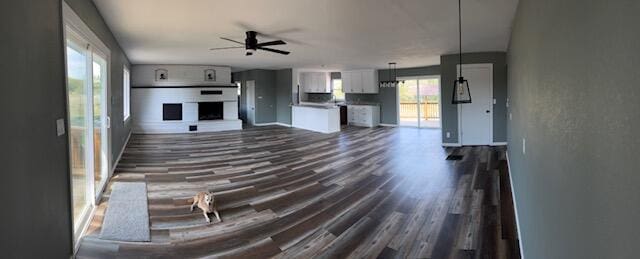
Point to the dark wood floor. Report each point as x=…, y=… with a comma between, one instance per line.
x=290, y=193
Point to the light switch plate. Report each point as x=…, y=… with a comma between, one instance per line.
x=60, y=127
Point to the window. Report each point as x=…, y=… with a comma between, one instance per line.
x=126, y=93
x=337, y=89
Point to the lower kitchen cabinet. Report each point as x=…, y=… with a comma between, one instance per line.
x=363, y=115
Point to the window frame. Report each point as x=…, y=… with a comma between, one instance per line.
x=126, y=94
x=344, y=95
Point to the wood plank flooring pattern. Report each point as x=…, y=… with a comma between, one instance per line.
x=290, y=193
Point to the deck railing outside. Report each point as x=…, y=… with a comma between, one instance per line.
x=429, y=110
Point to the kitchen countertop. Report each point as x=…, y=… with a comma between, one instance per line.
x=326, y=107
x=331, y=104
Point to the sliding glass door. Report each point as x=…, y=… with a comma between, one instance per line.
x=87, y=73
x=419, y=102
x=79, y=125
x=100, y=133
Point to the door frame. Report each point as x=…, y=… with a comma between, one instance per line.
x=459, y=106
x=418, y=78
x=73, y=25
x=251, y=88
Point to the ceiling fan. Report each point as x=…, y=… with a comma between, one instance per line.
x=251, y=44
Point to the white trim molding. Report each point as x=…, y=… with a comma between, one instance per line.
x=115, y=164
x=499, y=144
x=388, y=125
x=451, y=145
x=515, y=206
x=272, y=124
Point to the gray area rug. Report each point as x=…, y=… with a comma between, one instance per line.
x=127, y=216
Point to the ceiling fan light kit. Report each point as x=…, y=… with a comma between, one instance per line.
x=461, y=93
x=252, y=45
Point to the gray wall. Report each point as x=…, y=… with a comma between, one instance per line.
x=265, y=95
x=387, y=97
x=283, y=95
x=448, y=65
x=574, y=96
x=36, y=209
x=92, y=18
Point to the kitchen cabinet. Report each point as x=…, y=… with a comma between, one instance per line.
x=363, y=115
x=360, y=81
x=315, y=82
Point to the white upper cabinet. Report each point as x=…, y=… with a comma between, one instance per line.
x=369, y=81
x=346, y=81
x=315, y=82
x=360, y=81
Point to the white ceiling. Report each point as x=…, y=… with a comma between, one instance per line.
x=335, y=34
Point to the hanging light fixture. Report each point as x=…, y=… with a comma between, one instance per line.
x=391, y=82
x=461, y=92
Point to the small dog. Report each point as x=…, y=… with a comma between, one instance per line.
x=207, y=204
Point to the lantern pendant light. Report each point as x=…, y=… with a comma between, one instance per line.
x=461, y=93
x=391, y=82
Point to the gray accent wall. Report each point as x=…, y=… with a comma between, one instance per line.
x=34, y=190
x=574, y=97
x=284, y=96
x=448, y=65
x=120, y=129
x=265, y=94
x=388, y=97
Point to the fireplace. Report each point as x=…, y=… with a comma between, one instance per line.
x=210, y=111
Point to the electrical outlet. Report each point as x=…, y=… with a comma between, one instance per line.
x=510, y=116
x=494, y=101
x=524, y=146
x=60, y=127
x=448, y=134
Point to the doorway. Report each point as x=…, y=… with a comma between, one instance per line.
x=251, y=102
x=475, y=119
x=87, y=68
x=419, y=102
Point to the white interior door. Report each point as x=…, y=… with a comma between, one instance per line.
x=476, y=118
x=251, y=102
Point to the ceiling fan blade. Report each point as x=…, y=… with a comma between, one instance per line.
x=227, y=48
x=275, y=50
x=241, y=43
x=271, y=43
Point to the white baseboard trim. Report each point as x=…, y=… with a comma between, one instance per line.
x=499, y=144
x=388, y=125
x=115, y=164
x=515, y=207
x=451, y=145
x=272, y=124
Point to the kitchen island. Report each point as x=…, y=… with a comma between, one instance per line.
x=320, y=118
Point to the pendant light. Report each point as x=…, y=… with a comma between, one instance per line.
x=391, y=82
x=461, y=92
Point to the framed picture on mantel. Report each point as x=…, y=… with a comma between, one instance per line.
x=209, y=75
x=162, y=74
